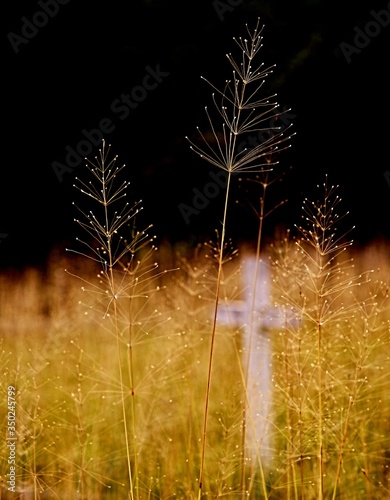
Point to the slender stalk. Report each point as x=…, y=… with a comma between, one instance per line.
x=343, y=442
x=131, y=491
x=320, y=264
x=301, y=421
x=352, y=399
x=320, y=423
x=36, y=493
x=250, y=416
x=132, y=386
x=207, y=397
x=110, y=249
x=251, y=324
x=241, y=114
x=117, y=330
x=289, y=417
x=261, y=214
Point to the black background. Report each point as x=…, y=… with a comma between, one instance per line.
x=66, y=77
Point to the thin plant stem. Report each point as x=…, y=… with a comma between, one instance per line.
x=319, y=306
x=118, y=341
x=301, y=420
x=289, y=419
x=343, y=442
x=241, y=114
x=213, y=332
x=320, y=433
x=35, y=456
x=261, y=214
x=117, y=330
x=132, y=386
x=251, y=322
x=250, y=416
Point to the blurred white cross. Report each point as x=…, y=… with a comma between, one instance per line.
x=257, y=316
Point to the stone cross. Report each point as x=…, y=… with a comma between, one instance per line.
x=257, y=316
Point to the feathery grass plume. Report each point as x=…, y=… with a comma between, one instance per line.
x=240, y=111
x=126, y=279
x=322, y=361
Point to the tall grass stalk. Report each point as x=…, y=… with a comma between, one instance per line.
x=261, y=212
x=326, y=353
x=243, y=111
x=320, y=235
x=122, y=277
